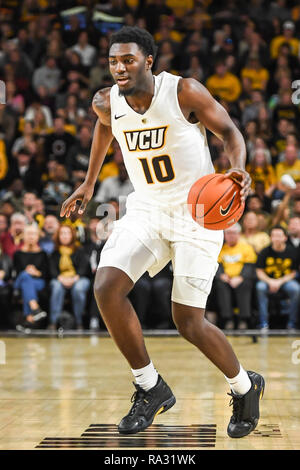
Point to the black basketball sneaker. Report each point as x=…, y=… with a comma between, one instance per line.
x=245, y=414
x=146, y=405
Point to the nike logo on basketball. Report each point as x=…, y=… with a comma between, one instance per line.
x=225, y=211
x=118, y=117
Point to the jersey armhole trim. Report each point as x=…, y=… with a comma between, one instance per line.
x=180, y=111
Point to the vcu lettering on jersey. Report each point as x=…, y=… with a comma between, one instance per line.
x=146, y=139
x=164, y=154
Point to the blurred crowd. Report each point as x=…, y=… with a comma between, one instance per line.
x=53, y=58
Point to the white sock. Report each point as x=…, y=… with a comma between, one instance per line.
x=240, y=384
x=146, y=377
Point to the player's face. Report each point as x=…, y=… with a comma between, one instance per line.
x=128, y=67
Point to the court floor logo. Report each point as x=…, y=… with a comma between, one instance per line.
x=156, y=436
x=2, y=353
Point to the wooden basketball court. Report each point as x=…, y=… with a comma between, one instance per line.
x=66, y=393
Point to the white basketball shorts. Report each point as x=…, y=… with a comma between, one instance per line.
x=146, y=238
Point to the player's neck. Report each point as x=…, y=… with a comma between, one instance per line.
x=141, y=100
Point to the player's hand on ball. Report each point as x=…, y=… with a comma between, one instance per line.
x=241, y=177
x=83, y=193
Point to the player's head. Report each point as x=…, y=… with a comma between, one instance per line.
x=132, y=51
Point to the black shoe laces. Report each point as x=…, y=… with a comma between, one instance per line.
x=237, y=403
x=137, y=398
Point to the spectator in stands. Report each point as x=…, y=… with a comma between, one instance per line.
x=30, y=265
x=222, y=163
x=69, y=271
x=77, y=223
x=12, y=240
x=58, y=143
x=24, y=167
x=293, y=231
x=276, y=269
x=256, y=204
x=48, y=75
x=58, y=186
x=74, y=70
x=251, y=233
x=98, y=72
x=86, y=51
x=288, y=31
x=21, y=67
x=29, y=209
x=37, y=110
x=251, y=111
x=14, y=99
x=5, y=287
x=257, y=74
x=7, y=208
x=290, y=165
x=3, y=224
x=286, y=109
x=235, y=277
x=223, y=84
x=282, y=130
x=98, y=230
x=50, y=227
x=250, y=135
x=260, y=169
x=25, y=140
x=74, y=112
x=151, y=298
x=115, y=186
x=39, y=214
x=79, y=154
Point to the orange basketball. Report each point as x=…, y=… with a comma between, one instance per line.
x=215, y=202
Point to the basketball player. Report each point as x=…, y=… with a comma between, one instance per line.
x=159, y=122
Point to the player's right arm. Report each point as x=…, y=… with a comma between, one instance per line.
x=102, y=139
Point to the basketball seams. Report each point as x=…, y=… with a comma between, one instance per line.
x=195, y=205
x=216, y=201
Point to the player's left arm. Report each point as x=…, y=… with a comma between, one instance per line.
x=195, y=98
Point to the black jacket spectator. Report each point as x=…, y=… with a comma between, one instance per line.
x=79, y=259
x=25, y=169
x=57, y=146
x=22, y=259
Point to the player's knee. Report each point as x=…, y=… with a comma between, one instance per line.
x=190, y=322
x=109, y=286
x=101, y=291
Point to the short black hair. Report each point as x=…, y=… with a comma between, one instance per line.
x=139, y=36
x=278, y=227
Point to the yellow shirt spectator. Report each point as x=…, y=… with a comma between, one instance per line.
x=258, y=241
x=179, y=7
x=227, y=87
x=266, y=175
x=258, y=77
x=3, y=160
x=284, y=168
x=278, y=40
x=108, y=170
x=234, y=257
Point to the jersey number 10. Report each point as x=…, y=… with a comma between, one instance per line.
x=162, y=168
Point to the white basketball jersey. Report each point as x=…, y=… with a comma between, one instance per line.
x=163, y=153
